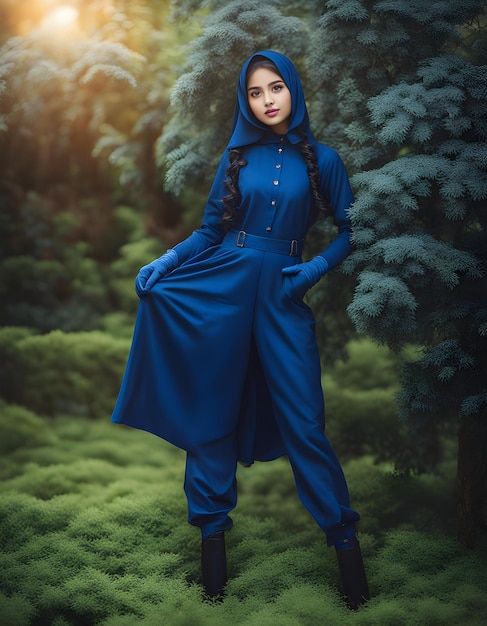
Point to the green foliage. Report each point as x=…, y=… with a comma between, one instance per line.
x=55, y=81
x=387, y=499
x=129, y=144
x=80, y=108
x=9, y=338
x=361, y=49
x=93, y=531
x=413, y=81
x=360, y=400
x=51, y=274
x=132, y=256
x=29, y=431
x=79, y=373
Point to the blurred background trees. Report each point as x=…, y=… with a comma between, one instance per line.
x=84, y=94
x=113, y=115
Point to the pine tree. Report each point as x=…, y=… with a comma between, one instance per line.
x=408, y=83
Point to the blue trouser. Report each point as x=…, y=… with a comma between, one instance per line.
x=211, y=486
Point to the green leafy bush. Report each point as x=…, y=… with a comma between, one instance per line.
x=49, y=277
x=360, y=402
x=132, y=256
x=78, y=373
x=20, y=428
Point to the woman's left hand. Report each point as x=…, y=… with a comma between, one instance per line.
x=306, y=274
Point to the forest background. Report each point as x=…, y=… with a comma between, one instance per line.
x=113, y=116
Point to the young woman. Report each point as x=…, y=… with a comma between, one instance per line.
x=224, y=361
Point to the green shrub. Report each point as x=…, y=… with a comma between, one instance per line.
x=11, y=379
x=132, y=256
x=362, y=421
x=119, y=324
x=20, y=428
x=77, y=373
x=45, y=293
x=386, y=499
x=16, y=610
x=360, y=399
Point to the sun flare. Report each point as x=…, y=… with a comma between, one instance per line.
x=61, y=19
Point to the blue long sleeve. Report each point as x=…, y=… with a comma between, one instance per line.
x=339, y=248
x=335, y=186
x=210, y=233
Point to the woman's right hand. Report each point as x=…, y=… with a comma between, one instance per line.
x=154, y=271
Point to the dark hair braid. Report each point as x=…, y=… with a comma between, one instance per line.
x=320, y=203
x=231, y=201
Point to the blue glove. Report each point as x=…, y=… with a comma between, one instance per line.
x=150, y=274
x=305, y=275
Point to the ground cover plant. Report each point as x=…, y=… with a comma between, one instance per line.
x=93, y=531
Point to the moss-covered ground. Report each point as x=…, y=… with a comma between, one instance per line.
x=93, y=530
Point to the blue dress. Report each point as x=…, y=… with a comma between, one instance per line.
x=222, y=345
x=221, y=338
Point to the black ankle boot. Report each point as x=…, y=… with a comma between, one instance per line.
x=352, y=572
x=214, y=564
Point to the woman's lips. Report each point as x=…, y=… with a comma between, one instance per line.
x=272, y=112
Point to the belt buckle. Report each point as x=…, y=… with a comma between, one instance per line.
x=294, y=248
x=241, y=238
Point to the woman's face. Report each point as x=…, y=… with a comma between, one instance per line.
x=269, y=99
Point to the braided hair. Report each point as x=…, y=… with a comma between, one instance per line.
x=320, y=203
x=231, y=200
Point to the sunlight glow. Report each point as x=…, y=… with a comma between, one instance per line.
x=61, y=19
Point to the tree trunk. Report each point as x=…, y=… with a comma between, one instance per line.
x=472, y=479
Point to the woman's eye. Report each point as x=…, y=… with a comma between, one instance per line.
x=254, y=94
x=277, y=88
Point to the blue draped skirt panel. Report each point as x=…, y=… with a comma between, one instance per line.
x=219, y=345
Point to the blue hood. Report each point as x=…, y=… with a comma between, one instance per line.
x=247, y=130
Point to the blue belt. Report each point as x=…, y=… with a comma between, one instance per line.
x=279, y=246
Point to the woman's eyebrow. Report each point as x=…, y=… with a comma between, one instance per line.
x=269, y=85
